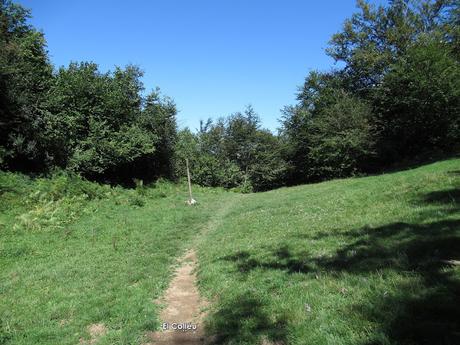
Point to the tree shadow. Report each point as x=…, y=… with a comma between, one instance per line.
x=447, y=196
x=245, y=320
x=428, y=316
x=427, y=250
x=431, y=251
x=399, y=245
x=281, y=258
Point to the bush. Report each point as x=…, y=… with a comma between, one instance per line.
x=49, y=203
x=136, y=200
x=46, y=213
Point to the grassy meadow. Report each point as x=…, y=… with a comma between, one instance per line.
x=75, y=254
x=351, y=261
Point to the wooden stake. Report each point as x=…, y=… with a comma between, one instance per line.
x=191, y=201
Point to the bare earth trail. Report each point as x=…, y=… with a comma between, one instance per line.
x=182, y=300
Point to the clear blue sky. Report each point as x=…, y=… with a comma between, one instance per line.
x=212, y=57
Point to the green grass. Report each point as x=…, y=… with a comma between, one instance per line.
x=73, y=254
x=353, y=261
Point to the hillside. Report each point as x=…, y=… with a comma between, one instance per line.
x=75, y=254
x=100, y=240
x=352, y=261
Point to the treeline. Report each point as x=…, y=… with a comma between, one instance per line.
x=395, y=97
x=233, y=152
x=77, y=118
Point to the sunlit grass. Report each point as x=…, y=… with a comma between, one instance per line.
x=354, y=261
x=105, y=266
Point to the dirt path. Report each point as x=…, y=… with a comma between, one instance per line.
x=184, y=307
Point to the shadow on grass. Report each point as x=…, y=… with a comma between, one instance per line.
x=448, y=196
x=281, y=259
x=403, y=246
x=428, y=316
x=427, y=250
x=244, y=320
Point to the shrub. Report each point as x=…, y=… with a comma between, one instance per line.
x=136, y=200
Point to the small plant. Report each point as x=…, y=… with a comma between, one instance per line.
x=136, y=200
x=46, y=213
x=245, y=187
x=140, y=188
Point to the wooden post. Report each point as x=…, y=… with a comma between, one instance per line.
x=191, y=201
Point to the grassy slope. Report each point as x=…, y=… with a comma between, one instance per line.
x=353, y=261
x=93, y=261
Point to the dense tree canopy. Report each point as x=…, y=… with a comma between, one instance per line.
x=396, y=96
x=77, y=118
x=25, y=75
x=234, y=152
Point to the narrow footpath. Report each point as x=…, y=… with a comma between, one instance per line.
x=184, y=309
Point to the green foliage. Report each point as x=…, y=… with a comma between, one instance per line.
x=25, y=74
x=233, y=153
x=340, y=138
x=48, y=203
x=159, y=117
x=62, y=184
x=44, y=213
x=96, y=123
x=376, y=36
x=207, y=168
x=401, y=59
x=79, y=119
x=332, y=137
x=295, y=138
x=418, y=101
x=397, y=96
x=136, y=200
x=267, y=168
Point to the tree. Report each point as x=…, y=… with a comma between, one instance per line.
x=295, y=143
x=341, y=140
x=375, y=37
x=418, y=102
x=240, y=137
x=233, y=152
x=159, y=117
x=395, y=98
x=98, y=124
x=268, y=168
x=25, y=74
x=208, y=166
